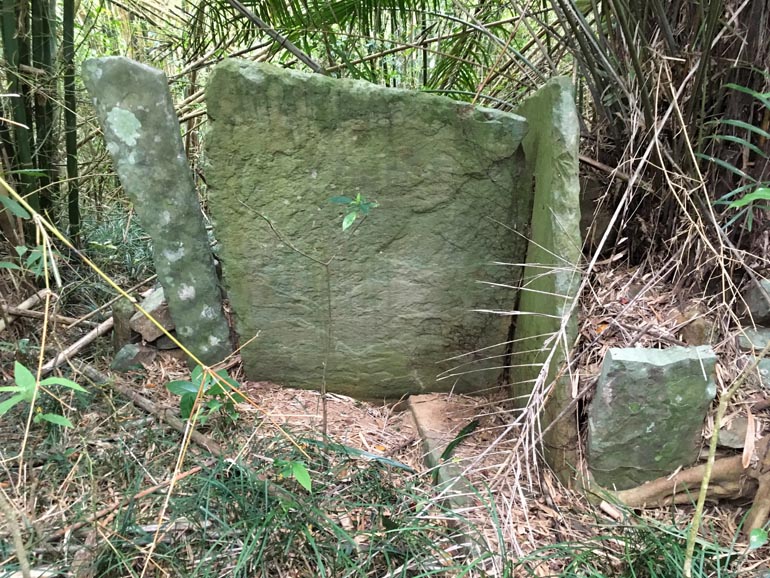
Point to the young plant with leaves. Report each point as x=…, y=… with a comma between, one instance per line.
x=356, y=207
x=218, y=392
x=26, y=391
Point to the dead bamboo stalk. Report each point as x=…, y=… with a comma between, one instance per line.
x=26, y=304
x=18, y=312
x=99, y=330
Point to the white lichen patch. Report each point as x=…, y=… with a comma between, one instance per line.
x=214, y=341
x=164, y=218
x=208, y=312
x=186, y=292
x=650, y=428
x=174, y=256
x=124, y=125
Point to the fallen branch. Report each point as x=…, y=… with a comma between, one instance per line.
x=99, y=330
x=26, y=304
x=14, y=312
x=150, y=407
x=729, y=480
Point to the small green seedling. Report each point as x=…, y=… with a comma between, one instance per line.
x=296, y=470
x=357, y=206
x=32, y=259
x=25, y=390
x=218, y=394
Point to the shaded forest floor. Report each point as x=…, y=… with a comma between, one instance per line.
x=94, y=499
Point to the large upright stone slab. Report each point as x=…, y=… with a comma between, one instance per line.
x=647, y=414
x=398, y=294
x=134, y=107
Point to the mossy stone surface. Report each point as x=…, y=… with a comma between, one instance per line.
x=547, y=325
x=395, y=294
x=135, y=110
x=647, y=414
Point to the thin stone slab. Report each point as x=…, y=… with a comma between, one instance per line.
x=155, y=305
x=757, y=301
x=392, y=298
x=751, y=339
x=551, y=277
x=647, y=414
x=134, y=107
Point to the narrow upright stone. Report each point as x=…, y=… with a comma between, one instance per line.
x=134, y=107
x=550, y=280
x=646, y=417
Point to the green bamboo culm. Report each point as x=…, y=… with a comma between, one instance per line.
x=70, y=121
x=45, y=97
x=22, y=135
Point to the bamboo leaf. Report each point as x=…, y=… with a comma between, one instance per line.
x=745, y=125
x=300, y=473
x=764, y=98
x=761, y=194
x=54, y=418
x=13, y=207
x=738, y=140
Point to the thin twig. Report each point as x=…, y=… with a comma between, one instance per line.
x=281, y=40
x=122, y=504
x=18, y=542
x=98, y=331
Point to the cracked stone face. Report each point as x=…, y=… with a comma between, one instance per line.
x=393, y=296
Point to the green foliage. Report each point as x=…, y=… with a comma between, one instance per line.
x=31, y=259
x=118, y=245
x=296, y=470
x=751, y=194
x=639, y=548
x=13, y=207
x=452, y=446
x=259, y=518
x=217, y=391
x=757, y=538
x=26, y=391
x=356, y=207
